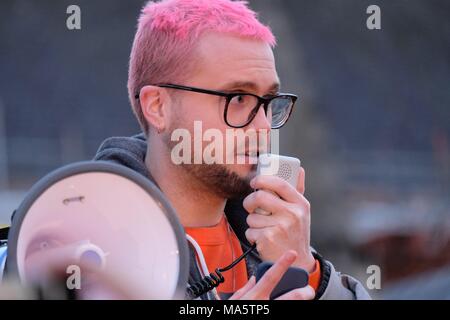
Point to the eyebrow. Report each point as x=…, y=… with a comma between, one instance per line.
x=251, y=86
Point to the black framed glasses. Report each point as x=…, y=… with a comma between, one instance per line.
x=241, y=108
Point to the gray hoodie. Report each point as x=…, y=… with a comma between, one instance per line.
x=131, y=151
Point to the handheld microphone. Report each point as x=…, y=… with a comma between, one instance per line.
x=287, y=168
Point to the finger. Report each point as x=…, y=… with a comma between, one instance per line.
x=258, y=221
x=264, y=200
x=277, y=185
x=270, y=279
x=253, y=234
x=242, y=291
x=306, y=293
x=301, y=181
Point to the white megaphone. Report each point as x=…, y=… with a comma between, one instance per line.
x=101, y=218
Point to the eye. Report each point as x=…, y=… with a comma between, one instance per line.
x=239, y=99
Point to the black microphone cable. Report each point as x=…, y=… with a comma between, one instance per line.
x=214, y=279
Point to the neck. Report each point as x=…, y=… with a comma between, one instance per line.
x=195, y=205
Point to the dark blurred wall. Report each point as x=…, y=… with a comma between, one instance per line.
x=373, y=90
x=63, y=91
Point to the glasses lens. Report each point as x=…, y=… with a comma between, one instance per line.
x=240, y=109
x=280, y=108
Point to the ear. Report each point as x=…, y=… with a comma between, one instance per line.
x=154, y=106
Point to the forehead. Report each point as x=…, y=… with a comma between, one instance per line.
x=223, y=58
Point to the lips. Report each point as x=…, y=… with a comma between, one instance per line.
x=252, y=154
x=249, y=157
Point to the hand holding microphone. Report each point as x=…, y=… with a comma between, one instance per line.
x=288, y=225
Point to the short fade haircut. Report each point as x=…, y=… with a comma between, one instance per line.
x=167, y=34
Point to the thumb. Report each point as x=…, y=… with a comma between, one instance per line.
x=301, y=181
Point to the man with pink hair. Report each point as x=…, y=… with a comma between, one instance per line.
x=212, y=61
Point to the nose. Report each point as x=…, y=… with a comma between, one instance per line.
x=261, y=121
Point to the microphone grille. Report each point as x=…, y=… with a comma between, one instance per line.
x=284, y=171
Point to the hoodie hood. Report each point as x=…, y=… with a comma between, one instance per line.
x=127, y=151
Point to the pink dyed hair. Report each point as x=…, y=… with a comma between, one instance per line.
x=166, y=38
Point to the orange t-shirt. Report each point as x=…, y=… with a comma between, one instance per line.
x=220, y=247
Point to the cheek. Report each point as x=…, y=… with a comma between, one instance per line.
x=213, y=133
x=207, y=109
x=243, y=170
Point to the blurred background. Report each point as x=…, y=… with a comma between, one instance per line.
x=372, y=127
